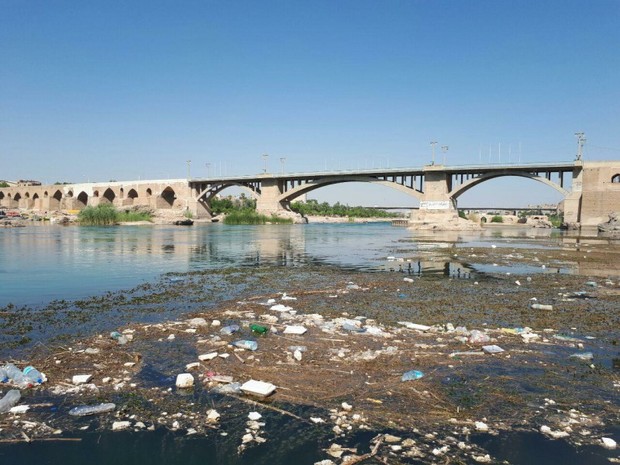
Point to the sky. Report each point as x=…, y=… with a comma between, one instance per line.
x=102, y=90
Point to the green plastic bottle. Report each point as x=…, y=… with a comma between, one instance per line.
x=259, y=329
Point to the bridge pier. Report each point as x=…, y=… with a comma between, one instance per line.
x=267, y=202
x=436, y=205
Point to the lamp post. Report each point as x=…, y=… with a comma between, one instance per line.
x=282, y=160
x=208, y=165
x=265, y=157
x=581, y=140
x=433, y=144
x=444, y=149
x=189, y=162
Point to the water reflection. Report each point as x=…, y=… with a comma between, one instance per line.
x=50, y=262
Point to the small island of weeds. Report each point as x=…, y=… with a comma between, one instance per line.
x=105, y=215
x=248, y=216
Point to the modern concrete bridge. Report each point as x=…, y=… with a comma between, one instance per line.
x=591, y=190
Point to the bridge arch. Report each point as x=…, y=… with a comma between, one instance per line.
x=462, y=188
x=132, y=194
x=214, y=190
x=82, y=199
x=292, y=194
x=55, y=200
x=615, y=178
x=108, y=196
x=167, y=198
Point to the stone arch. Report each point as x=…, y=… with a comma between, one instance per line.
x=149, y=192
x=122, y=192
x=70, y=193
x=462, y=188
x=82, y=199
x=35, y=196
x=132, y=194
x=167, y=197
x=17, y=197
x=108, y=196
x=292, y=194
x=96, y=193
x=27, y=195
x=55, y=200
x=615, y=178
x=1, y=195
x=45, y=195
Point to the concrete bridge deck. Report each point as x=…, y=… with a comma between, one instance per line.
x=591, y=190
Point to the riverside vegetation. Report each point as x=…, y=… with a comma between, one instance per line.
x=105, y=215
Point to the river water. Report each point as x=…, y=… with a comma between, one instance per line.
x=43, y=264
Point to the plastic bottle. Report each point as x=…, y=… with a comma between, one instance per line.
x=17, y=377
x=245, y=344
x=33, y=374
x=84, y=410
x=9, y=400
x=259, y=329
x=228, y=330
x=412, y=375
x=118, y=337
x=3, y=376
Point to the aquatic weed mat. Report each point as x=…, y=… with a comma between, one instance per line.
x=358, y=344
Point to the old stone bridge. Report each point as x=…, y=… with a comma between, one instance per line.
x=591, y=189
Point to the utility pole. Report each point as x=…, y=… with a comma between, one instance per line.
x=581, y=140
x=433, y=144
x=444, y=149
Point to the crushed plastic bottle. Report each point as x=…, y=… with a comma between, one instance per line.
x=412, y=375
x=118, y=337
x=228, y=330
x=9, y=400
x=84, y=410
x=3, y=376
x=477, y=337
x=33, y=374
x=246, y=344
x=16, y=376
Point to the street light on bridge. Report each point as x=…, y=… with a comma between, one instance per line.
x=433, y=144
x=282, y=160
x=189, y=162
x=581, y=140
x=208, y=165
x=444, y=149
x=265, y=157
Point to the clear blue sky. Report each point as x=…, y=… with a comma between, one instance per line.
x=100, y=90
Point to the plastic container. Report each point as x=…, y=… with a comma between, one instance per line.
x=84, y=410
x=245, y=344
x=16, y=376
x=33, y=374
x=3, y=376
x=118, y=337
x=9, y=400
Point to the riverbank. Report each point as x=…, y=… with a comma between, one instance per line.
x=364, y=331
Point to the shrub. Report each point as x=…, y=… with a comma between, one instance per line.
x=497, y=219
x=106, y=214
x=248, y=216
x=101, y=215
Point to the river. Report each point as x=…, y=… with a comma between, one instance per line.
x=48, y=267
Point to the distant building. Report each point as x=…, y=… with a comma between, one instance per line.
x=26, y=182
